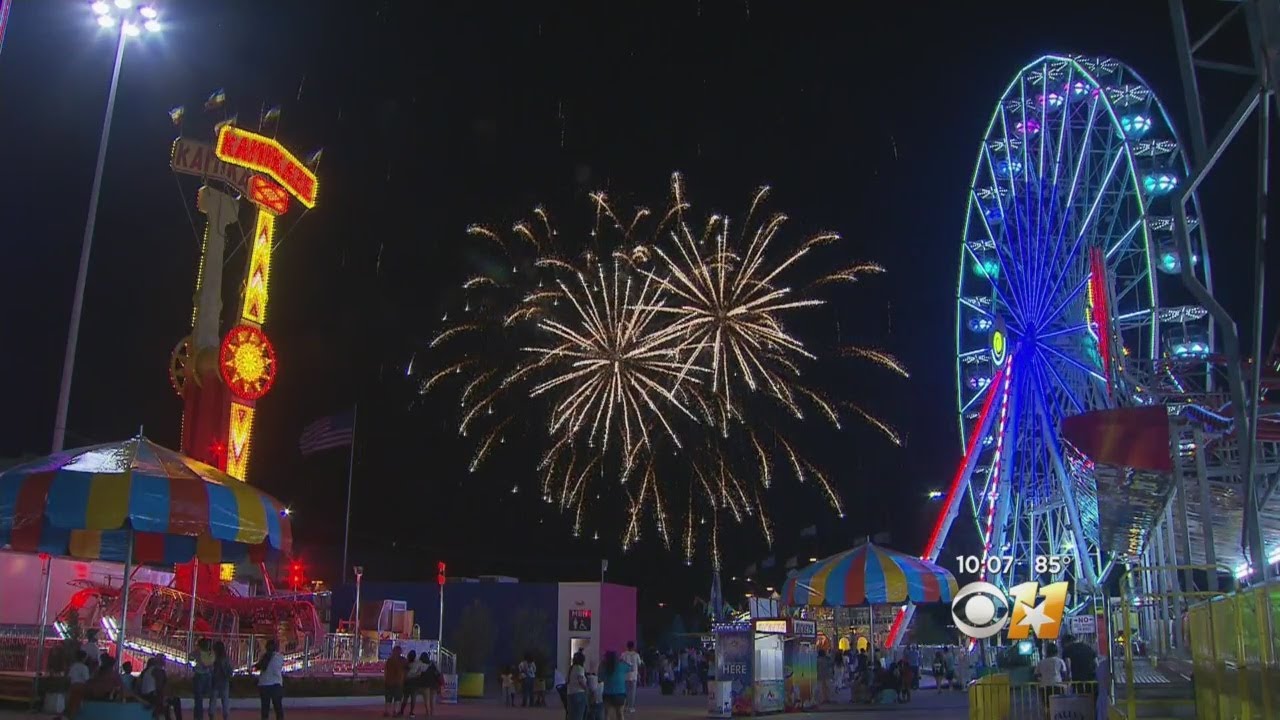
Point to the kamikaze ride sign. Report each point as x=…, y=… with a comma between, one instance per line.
x=231, y=374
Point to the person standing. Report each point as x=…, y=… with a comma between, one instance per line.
x=825, y=672
x=77, y=676
x=913, y=659
x=1051, y=672
x=1082, y=665
x=270, y=669
x=575, y=688
x=632, y=659
x=220, y=680
x=393, y=672
x=528, y=670
x=431, y=682
x=202, y=679
x=613, y=672
x=414, y=666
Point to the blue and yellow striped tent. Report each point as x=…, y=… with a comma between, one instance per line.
x=83, y=503
x=868, y=574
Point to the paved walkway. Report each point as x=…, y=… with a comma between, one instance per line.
x=926, y=705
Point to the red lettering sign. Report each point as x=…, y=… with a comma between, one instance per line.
x=265, y=155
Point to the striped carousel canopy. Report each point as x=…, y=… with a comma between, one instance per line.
x=83, y=503
x=868, y=574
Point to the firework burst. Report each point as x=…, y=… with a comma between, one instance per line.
x=633, y=362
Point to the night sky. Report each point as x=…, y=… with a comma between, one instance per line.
x=864, y=117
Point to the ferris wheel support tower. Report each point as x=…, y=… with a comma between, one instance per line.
x=1259, y=22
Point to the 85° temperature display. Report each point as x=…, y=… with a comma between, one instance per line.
x=1001, y=564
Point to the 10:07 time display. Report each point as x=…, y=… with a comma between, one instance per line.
x=1001, y=564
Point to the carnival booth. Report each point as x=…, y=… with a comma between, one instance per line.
x=800, y=665
x=751, y=662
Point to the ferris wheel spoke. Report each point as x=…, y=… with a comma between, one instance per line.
x=1059, y=464
x=1069, y=393
x=1067, y=263
x=1008, y=234
x=995, y=285
x=1125, y=239
x=1041, y=249
x=1082, y=153
x=1063, y=331
x=1067, y=300
x=1015, y=234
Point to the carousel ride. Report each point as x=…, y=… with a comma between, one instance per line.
x=220, y=375
x=1080, y=261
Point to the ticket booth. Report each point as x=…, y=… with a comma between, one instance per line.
x=768, y=681
x=800, y=665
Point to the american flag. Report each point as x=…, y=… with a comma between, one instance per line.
x=333, y=431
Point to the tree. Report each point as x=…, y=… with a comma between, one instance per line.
x=674, y=638
x=530, y=629
x=474, y=637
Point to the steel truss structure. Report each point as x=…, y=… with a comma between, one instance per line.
x=1253, y=28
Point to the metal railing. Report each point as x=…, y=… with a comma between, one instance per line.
x=1236, y=675
x=993, y=697
x=330, y=654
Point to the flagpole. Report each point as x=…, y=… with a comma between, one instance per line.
x=351, y=465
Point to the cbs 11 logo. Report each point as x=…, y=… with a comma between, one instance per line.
x=981, y=610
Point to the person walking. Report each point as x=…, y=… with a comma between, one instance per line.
x=633, y=660
x=270, y=669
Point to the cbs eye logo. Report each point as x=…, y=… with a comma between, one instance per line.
x=980, y=610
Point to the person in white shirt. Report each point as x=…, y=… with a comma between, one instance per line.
x=77, y=676
x=528, y=672
x=633, y=661
x=1051, y=672
x=270, y=669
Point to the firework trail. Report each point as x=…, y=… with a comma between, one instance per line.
x=649, y=363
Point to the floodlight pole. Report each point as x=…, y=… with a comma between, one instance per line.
x=86, y=245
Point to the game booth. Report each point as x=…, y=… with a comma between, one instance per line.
x=765, y=663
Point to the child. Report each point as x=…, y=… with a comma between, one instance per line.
x=540, y=692
x=77, y=676
x=595, y=697
x=509, y=686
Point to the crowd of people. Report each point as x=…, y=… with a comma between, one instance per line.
x=586, y=693
x=93, y=675
x=405, y=678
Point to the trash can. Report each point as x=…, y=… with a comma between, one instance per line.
x=1072, y=707
x=719, y=699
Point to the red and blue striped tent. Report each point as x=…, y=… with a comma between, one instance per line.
x=868, y=574
x=83, y=503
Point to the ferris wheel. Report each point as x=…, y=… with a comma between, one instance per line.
x=1068, y=294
